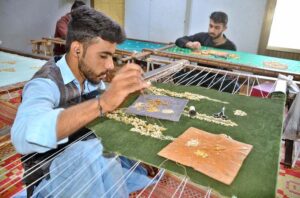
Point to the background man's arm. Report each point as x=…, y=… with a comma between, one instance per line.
x=190, y=41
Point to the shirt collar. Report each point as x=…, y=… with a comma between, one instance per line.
x=68, y=77
x=65, y=70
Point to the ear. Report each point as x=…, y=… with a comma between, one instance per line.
x=76, y=48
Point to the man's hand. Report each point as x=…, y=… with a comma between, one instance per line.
x=152, y=171
x=193, y=45
x=129, y=79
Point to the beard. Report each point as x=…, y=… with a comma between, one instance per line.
x=89, y=74
x=213, y=36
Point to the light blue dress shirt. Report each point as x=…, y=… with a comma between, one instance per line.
x=34, y=130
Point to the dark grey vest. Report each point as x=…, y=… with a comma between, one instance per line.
x=68, y=92
x=69, y=95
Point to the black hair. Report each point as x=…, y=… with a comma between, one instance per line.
x=219, y=17
x=77, y=4
x=87, y=24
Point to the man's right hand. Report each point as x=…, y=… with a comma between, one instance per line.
x=129, y=79
x=193, y=45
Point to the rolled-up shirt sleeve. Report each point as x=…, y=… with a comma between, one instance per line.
x=34, y=129
x=181, y=42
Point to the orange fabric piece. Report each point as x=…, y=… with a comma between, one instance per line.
x=216, y=156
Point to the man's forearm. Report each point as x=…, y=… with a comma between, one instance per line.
x=76, y=117
x=181, y=42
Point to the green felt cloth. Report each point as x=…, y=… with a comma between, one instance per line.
x=138, y=46
x=261, y=128
x=247, y=59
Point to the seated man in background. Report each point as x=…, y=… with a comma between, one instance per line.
x=215, y=36
x=57, y=104
x=62, y=28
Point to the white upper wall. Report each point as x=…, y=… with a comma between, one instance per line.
x=245, y=19
x=137, y=19
x=155, y=20
x=21, y=21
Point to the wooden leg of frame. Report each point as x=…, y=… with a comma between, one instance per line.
x=288, y=155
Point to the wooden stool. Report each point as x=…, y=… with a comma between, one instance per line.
x=46, y=49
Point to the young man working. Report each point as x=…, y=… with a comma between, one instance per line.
x=53, y=113
x=215, y=36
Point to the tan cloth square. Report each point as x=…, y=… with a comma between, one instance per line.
x=216, y=156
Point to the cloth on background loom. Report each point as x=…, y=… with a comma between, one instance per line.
x=138, y=46
x=24, y=68
x=292, y=122
x=244, y=59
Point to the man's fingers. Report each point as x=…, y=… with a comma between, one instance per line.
x=129, y=81
x=131, y=87
x=196, y=45
x=129, y=75
x=131, y=66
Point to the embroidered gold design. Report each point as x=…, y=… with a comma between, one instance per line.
x=140, y=126
x=275, y=65
x=7, y=70
x=8, y=62
x=219, y=147
x=151, y=105
x=187, y=95
x=200, y=153
x=167, y=111
x=239, y=113
x=35, y=67
x=192, y=143
x=204, y=117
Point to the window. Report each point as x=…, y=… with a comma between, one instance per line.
x=285, y=29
